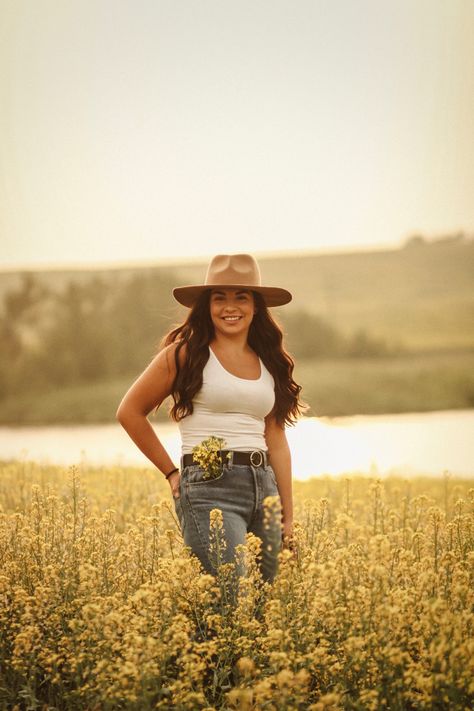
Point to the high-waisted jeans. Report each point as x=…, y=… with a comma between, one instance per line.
x=238, y=491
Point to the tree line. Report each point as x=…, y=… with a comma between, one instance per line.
x=102, y=328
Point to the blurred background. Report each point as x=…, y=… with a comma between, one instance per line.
x=333, y=141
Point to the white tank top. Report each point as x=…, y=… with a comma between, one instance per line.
x=229, y=407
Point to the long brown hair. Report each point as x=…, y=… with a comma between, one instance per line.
x=265, y=337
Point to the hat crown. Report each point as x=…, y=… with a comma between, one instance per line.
x=239, y=269
x=232, y=271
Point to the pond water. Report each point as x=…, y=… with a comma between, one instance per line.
x=426, y=443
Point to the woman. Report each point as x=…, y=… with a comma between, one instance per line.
x=229, y=378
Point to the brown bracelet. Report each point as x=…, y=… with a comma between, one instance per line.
x=171, y=472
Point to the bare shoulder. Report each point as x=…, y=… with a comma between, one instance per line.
x=164, y=362
x=167, y=356
x=154, y=384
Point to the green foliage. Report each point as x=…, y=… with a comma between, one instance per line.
x=87, y=332
x=97, y=330
x=311, y=336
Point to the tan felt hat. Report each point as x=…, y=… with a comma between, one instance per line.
x=233, y=271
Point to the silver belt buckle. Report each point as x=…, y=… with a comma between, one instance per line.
x=259, y=454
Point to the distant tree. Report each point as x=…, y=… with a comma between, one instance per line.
x=310, y=336
x=74, y=347
x=20, y=305
x=415, y=241
x=18, y=327
x=420, y=241
x=456, y=238
x=90, y=330
x=141, y=312
x=361, y=345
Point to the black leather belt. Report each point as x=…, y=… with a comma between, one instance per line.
x=255, y=458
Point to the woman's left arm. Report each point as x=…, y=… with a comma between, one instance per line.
x=280, y=460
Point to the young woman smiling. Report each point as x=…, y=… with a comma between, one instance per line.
x=229, y=377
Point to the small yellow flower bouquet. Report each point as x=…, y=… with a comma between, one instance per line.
x=208, y=456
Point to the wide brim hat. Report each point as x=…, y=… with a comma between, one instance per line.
x=233, y=271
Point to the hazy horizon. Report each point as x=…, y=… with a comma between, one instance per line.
x=201, y=258
x=163, y=131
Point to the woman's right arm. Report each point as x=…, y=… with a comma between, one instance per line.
x=146, y=393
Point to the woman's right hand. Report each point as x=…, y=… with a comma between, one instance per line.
x=174, y=481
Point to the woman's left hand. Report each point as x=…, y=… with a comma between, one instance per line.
x=287, y=536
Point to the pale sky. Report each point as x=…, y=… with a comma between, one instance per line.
x=150, y=129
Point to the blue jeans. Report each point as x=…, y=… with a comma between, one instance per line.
x=238, y=491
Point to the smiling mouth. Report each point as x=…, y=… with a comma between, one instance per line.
x=231, y=319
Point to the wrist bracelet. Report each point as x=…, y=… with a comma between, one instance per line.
x=171, y=472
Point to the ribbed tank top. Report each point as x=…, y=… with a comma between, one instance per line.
x=229, y=407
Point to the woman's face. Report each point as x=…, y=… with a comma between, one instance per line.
x=232, y=310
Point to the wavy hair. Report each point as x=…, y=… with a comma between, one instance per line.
x=265, y=337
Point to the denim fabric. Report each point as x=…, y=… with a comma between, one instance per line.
x=239, y=491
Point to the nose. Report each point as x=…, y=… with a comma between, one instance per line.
x=229, y=305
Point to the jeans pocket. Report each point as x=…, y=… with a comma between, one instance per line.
x=196, y=475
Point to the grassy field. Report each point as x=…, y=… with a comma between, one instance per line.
x=102, y=606
x=414, y=383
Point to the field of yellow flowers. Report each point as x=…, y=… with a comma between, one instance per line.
x=102, y=607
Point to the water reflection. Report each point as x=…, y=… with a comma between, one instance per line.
x=407, y=444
